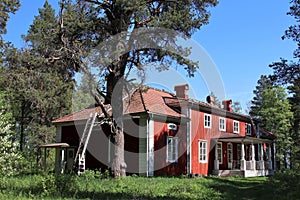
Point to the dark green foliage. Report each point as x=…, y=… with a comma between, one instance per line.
x=271, y=107
x=264, y=83
x=40, y=91
x=287, y=73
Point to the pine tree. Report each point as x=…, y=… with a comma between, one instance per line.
x=287, y=73
x=276, y=116
x=264, y=83
x=88, y=23
x=40, y=91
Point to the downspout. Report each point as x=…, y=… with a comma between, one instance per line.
x=150, y=146
x=147, y=149
x=189, y=131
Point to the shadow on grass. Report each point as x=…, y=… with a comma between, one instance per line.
x=241, y=188
x=284, y=185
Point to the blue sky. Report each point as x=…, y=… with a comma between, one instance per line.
x=242, y=39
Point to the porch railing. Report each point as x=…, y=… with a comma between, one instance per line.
x=259, y=165
x=236, y=164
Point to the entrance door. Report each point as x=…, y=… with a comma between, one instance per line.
x=229, y=155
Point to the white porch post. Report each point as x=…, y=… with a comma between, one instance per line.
x=62, y=162
x=270, y=157
x=243, y=161
x=253, y=164
x=216, y=162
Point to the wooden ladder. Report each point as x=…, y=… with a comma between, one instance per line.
x=80, y=155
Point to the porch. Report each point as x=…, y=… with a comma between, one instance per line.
x=260, y=169
x=252, y=156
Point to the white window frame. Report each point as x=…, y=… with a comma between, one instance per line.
x=207, y=121
x=238, y=127
x=248, y=129
x=223, y=128
x=219, y=152
x=202, y=152
x=174, y=155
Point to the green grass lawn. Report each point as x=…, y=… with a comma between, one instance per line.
x=283, y=185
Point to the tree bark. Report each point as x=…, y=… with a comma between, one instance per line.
x=118, y=165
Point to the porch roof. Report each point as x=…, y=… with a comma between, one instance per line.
x=234, y=138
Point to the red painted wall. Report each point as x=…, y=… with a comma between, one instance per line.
x=198, y=132
x=161, y=166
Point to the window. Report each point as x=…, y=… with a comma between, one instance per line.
x=236, y=128
x=222, y=124
x=219, y=152
x=229, y=152
x=207, y=121
x=202, y=151
x=172, y=149
x=248, y=129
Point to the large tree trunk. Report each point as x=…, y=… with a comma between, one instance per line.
x=118, y=164
x=115, y=92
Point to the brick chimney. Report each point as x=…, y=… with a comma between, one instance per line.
x=182, y=91
x=227, y=105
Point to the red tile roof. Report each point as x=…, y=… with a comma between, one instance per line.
x=77, y=116
x=142, y=100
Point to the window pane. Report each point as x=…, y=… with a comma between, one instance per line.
x=172, y=149
x=202, y=151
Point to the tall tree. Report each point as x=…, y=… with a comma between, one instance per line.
x=40, y=91
x=287, y=73
x=91, y=22
x=276, y=116
x=264, y=83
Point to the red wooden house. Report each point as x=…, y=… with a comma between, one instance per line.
x=170, y=134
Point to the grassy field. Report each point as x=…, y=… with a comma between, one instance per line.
x=283, y=185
